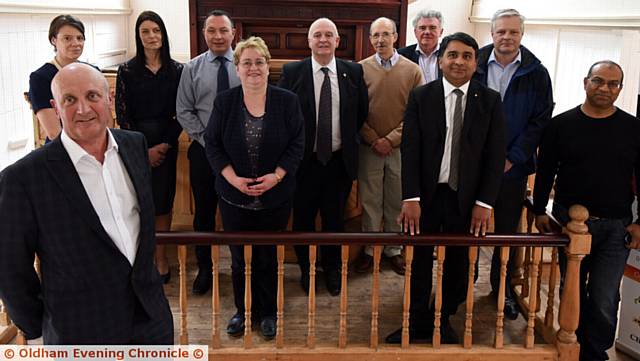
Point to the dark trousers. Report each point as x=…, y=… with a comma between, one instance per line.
x=601, y=272
x=264, y=281
x=323, y=188
x=205, y=199
x=441, y=215
x=506, y=214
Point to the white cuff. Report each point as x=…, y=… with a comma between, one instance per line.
x=483, y=205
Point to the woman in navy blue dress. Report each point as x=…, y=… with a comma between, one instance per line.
x=146, y=90
x=66, y=34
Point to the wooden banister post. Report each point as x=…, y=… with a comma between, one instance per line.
x=311, y=312
x=248, y=254
x=280, y=298
x=375, y=291
x=182, y=264
x=4, y=317
x=569, y=314
x=215, y=297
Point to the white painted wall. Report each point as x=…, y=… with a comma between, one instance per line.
x=23, y=38
x=175, y=14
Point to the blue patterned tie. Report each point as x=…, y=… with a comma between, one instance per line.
x=223, y=75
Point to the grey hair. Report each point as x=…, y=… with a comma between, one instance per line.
x=431, y=14
x=380, y=19
x=504, y=13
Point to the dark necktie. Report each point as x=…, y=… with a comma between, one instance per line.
x=456, y=127
x=223, y=75
x=323, y=138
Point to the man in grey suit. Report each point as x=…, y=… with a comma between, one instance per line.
x=83, y=205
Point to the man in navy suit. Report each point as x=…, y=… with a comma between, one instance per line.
x=83, y=205
x=334, y=102
x=427, y=27
x=453, y=153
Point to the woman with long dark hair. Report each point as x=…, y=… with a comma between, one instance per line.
x=146, y=90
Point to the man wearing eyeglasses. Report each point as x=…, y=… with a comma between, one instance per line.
x=524, y=85
x=389, y=78
x=592, y=151
x=427, y=27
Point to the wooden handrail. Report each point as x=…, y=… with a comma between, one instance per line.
x=357, y=238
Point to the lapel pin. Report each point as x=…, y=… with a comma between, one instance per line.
x=475, y=95
x=344, y=75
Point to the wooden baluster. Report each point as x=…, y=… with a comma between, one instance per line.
x=504, y=259
x=408, y=258
x=377, y=252
x=215, y=297
x=527, y=271
x=533, y=298
x=468, y=323
x=311, y=312
x=518, y=267
x=551, y=295
x=538, y=299
x=4, y=316
x=21, y=340
x=182, y=265
x=248, y=341
x=569, y=314
x=280, y=321
x=440, y=251
x=342, y=337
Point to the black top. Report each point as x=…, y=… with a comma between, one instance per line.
x=40, y=86
x=594, y=160
x=146, y=102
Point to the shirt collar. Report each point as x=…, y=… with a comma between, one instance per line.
x=435, y=51
x=211, y=57
x=448, y=87
x=492, y=58
x=315, y=66
x=76, y=152
x=394, y=58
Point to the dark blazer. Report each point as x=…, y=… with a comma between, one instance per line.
x=89, y=290
x=410, y=53
x=354, y=106
x=482, y=150
x=282, y=143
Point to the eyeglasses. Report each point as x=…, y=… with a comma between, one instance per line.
x=612, y=84
x=259, y=63
x=384, y=35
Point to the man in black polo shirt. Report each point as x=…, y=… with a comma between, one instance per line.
x=593, y=151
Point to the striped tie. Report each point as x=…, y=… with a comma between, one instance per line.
x=458, y=119
x=323, y=138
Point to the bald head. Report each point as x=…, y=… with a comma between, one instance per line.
x=322, y=22
x=81, y=100
x=383, y=22
x=76, y=73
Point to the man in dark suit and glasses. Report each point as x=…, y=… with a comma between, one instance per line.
x=453, y=151
x=334, y=102
x=83, y=205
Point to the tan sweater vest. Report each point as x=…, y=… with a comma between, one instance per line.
x=388, y=95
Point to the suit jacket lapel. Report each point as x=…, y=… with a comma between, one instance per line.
x=307, y=82
x=134, y=166
x=471, y=110
x=343, y=84
x=64, y=173
x=439, y=109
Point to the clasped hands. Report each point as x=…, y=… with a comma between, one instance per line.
x=157, y=154
x=409, y=219
x=254, y=186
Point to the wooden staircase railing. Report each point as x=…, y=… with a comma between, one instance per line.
x=558, y=332
x=557, y=328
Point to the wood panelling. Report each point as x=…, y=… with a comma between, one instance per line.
x=284, y=23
